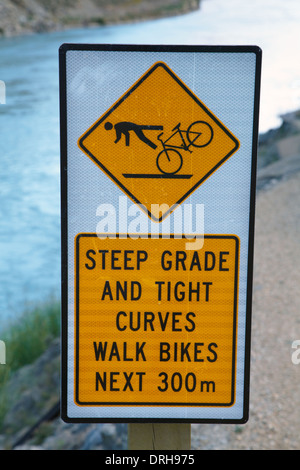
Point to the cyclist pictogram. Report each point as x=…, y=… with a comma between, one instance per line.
x=158, y=133
x=169, y=160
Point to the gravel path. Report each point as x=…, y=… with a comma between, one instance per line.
x=274, y=421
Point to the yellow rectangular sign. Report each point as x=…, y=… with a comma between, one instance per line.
x=155, y=323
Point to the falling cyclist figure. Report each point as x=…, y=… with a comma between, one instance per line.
x=125, y=128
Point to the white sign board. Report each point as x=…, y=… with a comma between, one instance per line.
x=158, y=170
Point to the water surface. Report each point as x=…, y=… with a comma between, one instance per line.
x=29, y=122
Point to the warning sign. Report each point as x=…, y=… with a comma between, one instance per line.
x=155, y=323
x=158, y=168
x=158, y=142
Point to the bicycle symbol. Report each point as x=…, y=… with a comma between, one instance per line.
x=169, y=161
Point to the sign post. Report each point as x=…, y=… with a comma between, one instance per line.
x=158, y=189
x=159, y=436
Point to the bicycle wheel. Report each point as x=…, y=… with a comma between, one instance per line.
x=169, y=161
x=200, y=134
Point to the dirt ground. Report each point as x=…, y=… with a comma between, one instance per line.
x=274, y=422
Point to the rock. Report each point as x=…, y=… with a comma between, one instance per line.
x=281, y=169
x=114, y=436
x=93, y=440
x=281, y=142
x=2, y=442
x=35, y=16
x=24, y=447
x=289, y=146
x=32, y=390
x=279, y=152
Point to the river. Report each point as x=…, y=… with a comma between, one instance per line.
x=29, y=122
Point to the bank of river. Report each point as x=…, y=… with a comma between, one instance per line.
x=37, y=16
x=30, y=153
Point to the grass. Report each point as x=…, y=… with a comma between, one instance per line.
x=26, y=339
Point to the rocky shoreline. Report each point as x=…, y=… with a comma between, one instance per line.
x=34, y=389
x=19, y=17
x=279, y=151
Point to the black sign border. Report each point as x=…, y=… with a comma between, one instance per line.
x=64, y=219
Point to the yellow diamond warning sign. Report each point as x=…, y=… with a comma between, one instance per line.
x=163, y=335
x=158, y=142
